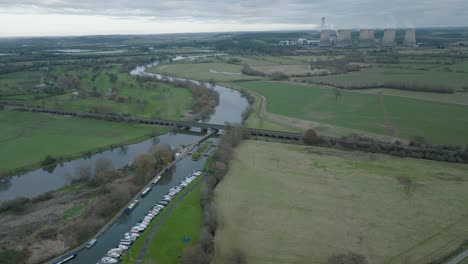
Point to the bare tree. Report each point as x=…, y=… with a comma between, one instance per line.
x=162, y=153
x=145, y=165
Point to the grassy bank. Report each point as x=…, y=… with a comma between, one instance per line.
x=27, y=138
x=168, y=243
x=288, y=203
x=439, y=123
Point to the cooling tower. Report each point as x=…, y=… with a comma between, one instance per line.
x=344, y=38
x=410, y=37
x=388, y=37
x=366, y=37
x=325, y=38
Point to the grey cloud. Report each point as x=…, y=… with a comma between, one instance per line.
x=340, y=13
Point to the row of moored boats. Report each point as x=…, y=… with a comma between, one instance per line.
x=114, y=254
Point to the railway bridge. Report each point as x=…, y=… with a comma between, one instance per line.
x=161, y=122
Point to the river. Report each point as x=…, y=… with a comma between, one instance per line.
x=39, y=181
x=36, y=182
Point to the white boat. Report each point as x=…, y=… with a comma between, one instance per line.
x=123, y=247
x=65, y=258
x=90, y=243
x=108, y=260
x=145, y=191
x=132, y=206
x=156, y=180
x=113, y=255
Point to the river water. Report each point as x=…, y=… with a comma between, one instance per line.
x=33, y=183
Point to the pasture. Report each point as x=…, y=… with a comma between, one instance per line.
x=379, y=75
x=19, y=82
x=300, y=204
x=203, y=71
x=145, y=99
x=439, y=123
x=26, y=138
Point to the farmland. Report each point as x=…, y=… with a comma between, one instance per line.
x=439, y=123
x=203, y=71
x=28, y=137
x=287, y=203
x=380, y=75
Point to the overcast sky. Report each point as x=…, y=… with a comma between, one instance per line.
x=90, y=17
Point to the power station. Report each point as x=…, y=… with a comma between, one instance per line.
x=342, y=38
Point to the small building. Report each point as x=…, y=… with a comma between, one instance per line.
x=313, y=42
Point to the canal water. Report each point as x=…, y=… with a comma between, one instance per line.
x=124, y=223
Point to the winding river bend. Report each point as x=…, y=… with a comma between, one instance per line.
x=39, y=181
x=36, y=182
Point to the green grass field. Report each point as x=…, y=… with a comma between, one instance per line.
x=19, y=82
x=455, y=98
x=154, y=100
x=167, y=244
x=439, y=123
x=203, y=71
x=296, y=204
x=378, y=75
x=26, y=138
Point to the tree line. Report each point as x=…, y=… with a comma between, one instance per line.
x=217, y=168
x=417, y=148
x=205, y=99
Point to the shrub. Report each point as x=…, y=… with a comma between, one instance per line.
x=17, y=205
x=48, y=161
x=247, y=70
x=8, y=256
x=310, y=137
x=279, y=76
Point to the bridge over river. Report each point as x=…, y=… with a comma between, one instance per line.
x=161, y=122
